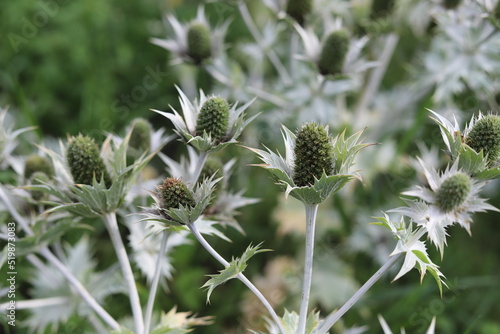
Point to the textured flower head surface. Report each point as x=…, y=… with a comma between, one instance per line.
x=451, y=197
x=223, y=129
x=335, y=53
x=329, y=181
x=477, y=147
x=177, y=205
x=195, y=41
x=36, y=163
x=98, y=196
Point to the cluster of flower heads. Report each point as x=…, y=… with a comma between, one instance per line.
x=450, y=196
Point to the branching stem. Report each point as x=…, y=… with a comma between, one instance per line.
x=154, y=283
x=240, y=276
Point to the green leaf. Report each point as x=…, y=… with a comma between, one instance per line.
x=236, y=266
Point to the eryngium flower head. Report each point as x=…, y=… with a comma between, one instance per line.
x=140, y=138
x=298, y=9
x=36, y=163
x=453, y=192
x=175, y=193
x=381, y=8
x=333, y=53
x=213, y=118
x=38, y=178
x=484, y=136
x=84, y=161
x=198, y=42
x=212, y=167
x=313, y=154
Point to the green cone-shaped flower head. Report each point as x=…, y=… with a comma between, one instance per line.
x=453, y=192
x=333, y=53
x=313, y=154
x=175, y=193
x=485, y=136
x=140, y=138
x=298, y=9
x=84, y=161
x=213, y=118
x=36, y=163
x=451, y=4
x=36, y=179
x=199, y=44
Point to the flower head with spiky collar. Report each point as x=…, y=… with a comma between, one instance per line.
x=315, y=165
x=451, y=197
x=208, y=123
x=194, y=42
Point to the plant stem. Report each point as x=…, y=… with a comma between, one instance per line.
x=245, y=14
x=376, y=76
x=240, y=276
x=121, y=253
x=202, y=158
x=311, y=211
x=47, y=254
x=333, y=317
x=154, y=283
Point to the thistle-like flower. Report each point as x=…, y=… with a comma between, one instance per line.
x=140, y=138
x=451, y=198
x=325, y=179
x=477, y=147
x=335, y=53
x=195, y=41
x=85, y=162
x=208, y=123
x=174, y=194
x=36, y=163
x=483, y=134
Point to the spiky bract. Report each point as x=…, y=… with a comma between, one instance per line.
x=313, y=154
x=485, y=136
x=84, y=161
x=175, y=193
x=453, y=192
x=333, y=53
x=199, y=44
x=36, y=163
x=213, y=118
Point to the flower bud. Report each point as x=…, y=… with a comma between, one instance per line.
x=140, y=138
x=485, y=136
x=84, y=161
x=451, y=4
x=381, y=8
x=334, y=52
x=199, y=45
x=453, y=192
x=36, y=179
x=298, y=9
x=175, y=193
x=313, y=154
x=36, y=163
x=213, y=118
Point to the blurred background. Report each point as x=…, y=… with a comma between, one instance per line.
x=89, y=67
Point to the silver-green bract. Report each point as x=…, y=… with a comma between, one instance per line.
x=236, y=266
x=290, y=322
x=95, y=199
x=185, y=125
x=414, y=249
x=183, y=215
x=471, y=162
x=344, y=151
